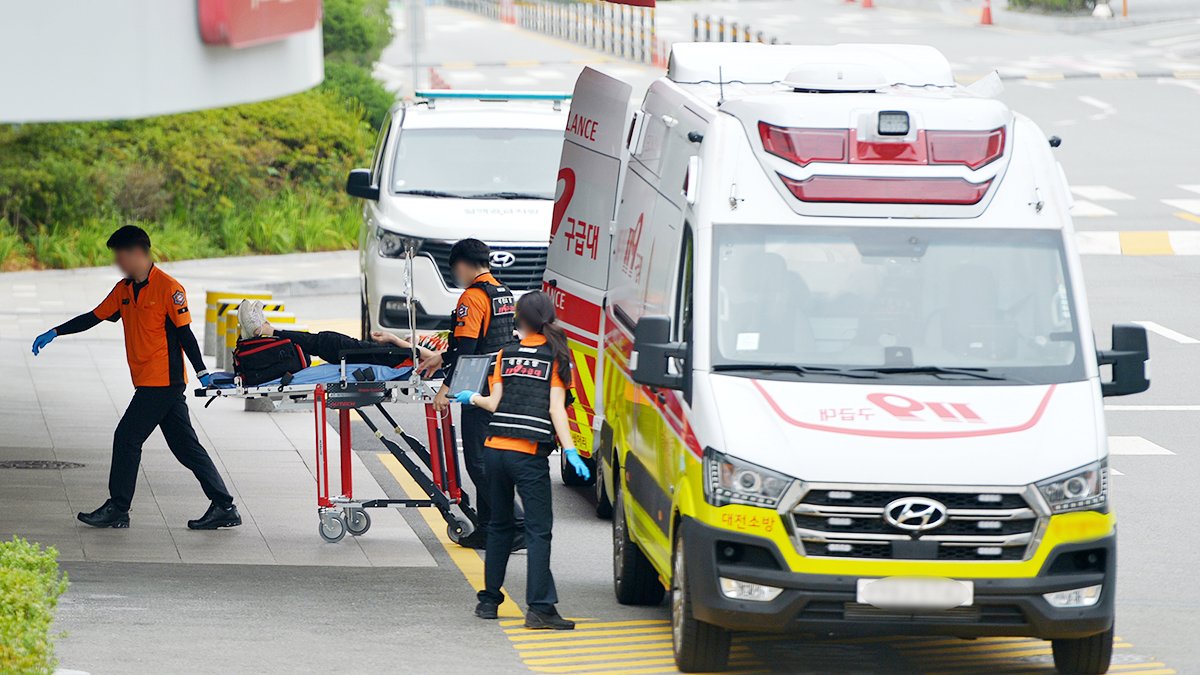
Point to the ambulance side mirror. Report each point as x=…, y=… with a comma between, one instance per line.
x=358, y=184
x=1128, y=357
x=656, y=361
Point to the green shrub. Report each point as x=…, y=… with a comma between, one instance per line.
x=30, y=585
x=1053, y=5
x=351, y=81
x=356, y=30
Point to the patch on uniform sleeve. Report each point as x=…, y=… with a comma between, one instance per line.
x=181, y=310
x=179, y=298
x=462, y=311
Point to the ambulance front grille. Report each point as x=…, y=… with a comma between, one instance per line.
x=524, y=274
x=980, y=525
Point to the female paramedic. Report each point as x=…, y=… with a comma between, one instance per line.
x=528, y=398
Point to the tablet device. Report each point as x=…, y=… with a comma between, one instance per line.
x=470, y=374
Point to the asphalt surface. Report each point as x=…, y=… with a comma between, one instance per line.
x=1128, y=145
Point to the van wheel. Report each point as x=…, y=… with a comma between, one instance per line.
x=569, y=476
x=1084, y=656
x=634, y=579
x=698, y=646
x=604, y=507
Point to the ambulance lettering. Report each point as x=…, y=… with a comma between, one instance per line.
x=556, y=296
x=566, y=176
x=905, y=408
x=583, y=127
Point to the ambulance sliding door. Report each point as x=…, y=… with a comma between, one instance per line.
x=576, y=278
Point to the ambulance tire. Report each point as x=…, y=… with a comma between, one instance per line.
x=635, y=581
x=1084, y=656
x=570, y=477
x=604, y=505
x=699, y=647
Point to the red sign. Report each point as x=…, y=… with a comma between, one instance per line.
x=243, y=23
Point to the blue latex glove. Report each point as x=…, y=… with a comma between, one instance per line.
x=464, y=397
x=577, y=463
x=205, y=380
x=40, y=342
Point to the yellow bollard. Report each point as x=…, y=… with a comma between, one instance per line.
x=211, y=340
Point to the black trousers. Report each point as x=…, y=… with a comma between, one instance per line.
x=165, y=408
x=529, y=476
x=329, y=345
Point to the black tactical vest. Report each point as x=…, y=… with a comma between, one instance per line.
x=524, y=410
x=502, y=323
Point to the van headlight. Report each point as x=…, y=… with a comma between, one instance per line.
x=734, y=481
x=392, y=245
x=1085, y=488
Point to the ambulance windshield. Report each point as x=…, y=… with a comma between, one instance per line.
x=896, y=302
x=477, y=163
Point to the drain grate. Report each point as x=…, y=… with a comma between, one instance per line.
x=38, y=464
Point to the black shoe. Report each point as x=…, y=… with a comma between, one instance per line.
x=108, y=515
x=216, y=517
x=476, y=540
x=542, y=621
x=486, y=609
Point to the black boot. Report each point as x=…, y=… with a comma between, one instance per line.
x=108, y=515
x=547, y=620
x=216, y=517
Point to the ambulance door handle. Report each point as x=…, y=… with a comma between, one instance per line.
x=552, y=282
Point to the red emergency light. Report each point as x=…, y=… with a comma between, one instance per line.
x=244, y=23
x=973, y=149
x=876, y=190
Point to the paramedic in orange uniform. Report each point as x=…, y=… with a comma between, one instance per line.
x=528, y=400
x=153, y=310
x=482, y=323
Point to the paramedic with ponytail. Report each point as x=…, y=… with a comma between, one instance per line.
x=528, y=398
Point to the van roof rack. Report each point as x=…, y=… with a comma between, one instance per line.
x=432, y=95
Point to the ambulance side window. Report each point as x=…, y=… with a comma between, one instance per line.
x=380, y=149
x=683, y=309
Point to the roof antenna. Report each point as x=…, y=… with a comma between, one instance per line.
x=721, y=84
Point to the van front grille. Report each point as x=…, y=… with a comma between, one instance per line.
x=524, y=274
x=979, y=525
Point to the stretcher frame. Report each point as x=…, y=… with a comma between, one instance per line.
x=437, y=473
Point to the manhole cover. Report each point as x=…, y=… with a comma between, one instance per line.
x=38, y=464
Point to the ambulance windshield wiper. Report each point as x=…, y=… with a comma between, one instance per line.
x=977, y=373
x=792, y=368
x=431, y=193
x=510, y=195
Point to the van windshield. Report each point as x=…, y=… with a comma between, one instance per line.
x=477, y=163
x=937, y=305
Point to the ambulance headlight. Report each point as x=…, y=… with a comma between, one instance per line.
x=1085, y=488
x=392, y=245
x=734, y=481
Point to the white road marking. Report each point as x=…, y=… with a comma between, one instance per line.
x=1190, y=205
x=1134, y=445
x=1085, y=209
x=1100, y=193
x=1106, y=109
x=1191, y=188
x=1167, y=333
x=1152, y=408
x=1115, y=472
x=1098, y=243
x=1185, y=242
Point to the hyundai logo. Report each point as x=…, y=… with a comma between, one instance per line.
x=915, y=514
x=502, y=259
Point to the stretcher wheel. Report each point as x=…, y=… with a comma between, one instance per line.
x=357, y=521
x=332, y=528
x=454, y=530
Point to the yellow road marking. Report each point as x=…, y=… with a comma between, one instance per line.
x=590, y=626
x=558, y=636
x=1135, y=666
x=626, y=647
x=1146, y=243
x=1187, y=74
x=466, y=560
x=923, y=644
x=620, y=666
x=1045, y=77
x=952, y=661
x=519, y=63
x=976, y=648
x=345, y=326
x=582, y=658
x=627, y=640
x=1187, y=216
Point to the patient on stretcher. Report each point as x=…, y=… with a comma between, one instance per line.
x=330, y=346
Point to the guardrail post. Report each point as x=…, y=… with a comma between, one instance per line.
x=695, y=27
x=708, y=29
x=721, y=29
x=734, y=30
x=746, y=34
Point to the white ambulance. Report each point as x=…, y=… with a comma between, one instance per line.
x=836, y=365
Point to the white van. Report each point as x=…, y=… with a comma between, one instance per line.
x=835, y=357
x=455, y=164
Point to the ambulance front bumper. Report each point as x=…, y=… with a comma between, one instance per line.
x=827, y=604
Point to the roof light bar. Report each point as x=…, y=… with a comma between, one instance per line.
x=874, y=190
x=493, y=95
x=973, y=149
